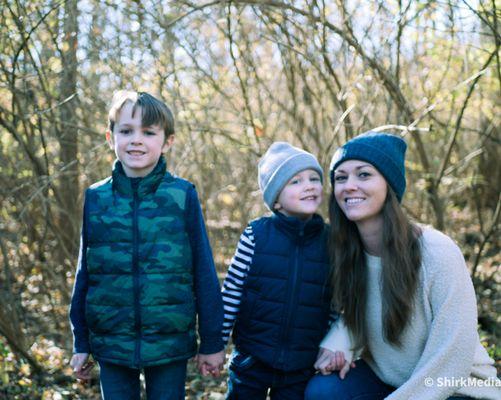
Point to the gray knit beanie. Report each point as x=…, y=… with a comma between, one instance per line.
x=279, y=164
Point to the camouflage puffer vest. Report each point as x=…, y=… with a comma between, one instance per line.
x=140, y=302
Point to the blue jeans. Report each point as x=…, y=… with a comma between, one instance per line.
x=360, y=383
x=250, y=379
x=163, y=382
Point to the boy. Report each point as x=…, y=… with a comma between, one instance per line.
x=145, y=266
x=275, y=292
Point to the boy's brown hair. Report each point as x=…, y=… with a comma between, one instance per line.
x=154, y=111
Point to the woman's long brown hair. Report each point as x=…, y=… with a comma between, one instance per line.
x=401, y=260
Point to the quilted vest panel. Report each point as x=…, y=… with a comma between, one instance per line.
x=284, y=311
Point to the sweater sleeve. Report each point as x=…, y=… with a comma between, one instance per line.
x=449, y=349
x=235, y=278
x=209, y=304
x=77, y=306
x=338, y=339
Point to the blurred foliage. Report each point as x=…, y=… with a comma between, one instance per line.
x=238, y=76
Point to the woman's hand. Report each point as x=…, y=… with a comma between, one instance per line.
x=329, y=361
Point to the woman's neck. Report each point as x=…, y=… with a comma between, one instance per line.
x=371, y=233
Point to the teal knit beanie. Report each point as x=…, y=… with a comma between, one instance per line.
x=384, y=151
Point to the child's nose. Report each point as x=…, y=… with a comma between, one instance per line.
x=136, y=137
x=310, y=186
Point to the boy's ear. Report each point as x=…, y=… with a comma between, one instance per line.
x=168, y=143
x=109, y=138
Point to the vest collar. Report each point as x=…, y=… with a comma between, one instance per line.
x=148, y=184
x=295, y=227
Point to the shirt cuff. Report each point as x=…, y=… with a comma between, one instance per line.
x=81, y=346
x=211, y=345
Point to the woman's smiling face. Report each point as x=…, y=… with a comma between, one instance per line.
x=360, y=191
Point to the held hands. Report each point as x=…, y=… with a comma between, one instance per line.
x=329, y=361
x=210, y=363
x=82, y=366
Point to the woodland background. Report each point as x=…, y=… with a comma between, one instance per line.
x=238, y=76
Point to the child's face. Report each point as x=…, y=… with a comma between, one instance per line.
x=301, y=196
x=137, y=147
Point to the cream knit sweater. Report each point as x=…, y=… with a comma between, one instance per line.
x=441, y=354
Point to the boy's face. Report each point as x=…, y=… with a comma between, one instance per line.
x=301, y=196
x=137, y=147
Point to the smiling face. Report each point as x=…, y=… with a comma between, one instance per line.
x=137, y=147
x=360, y=191
x=301, y=196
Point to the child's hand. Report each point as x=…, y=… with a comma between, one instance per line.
x=210, y=363
x=82, y=366
x=328, y=361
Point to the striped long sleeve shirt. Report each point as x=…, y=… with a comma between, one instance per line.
x=235, y=279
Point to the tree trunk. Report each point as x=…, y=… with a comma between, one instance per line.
x=68, y=134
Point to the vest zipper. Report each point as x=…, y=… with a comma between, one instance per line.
x=135, y=272
x=291, y=300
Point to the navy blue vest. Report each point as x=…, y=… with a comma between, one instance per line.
x=284, y=311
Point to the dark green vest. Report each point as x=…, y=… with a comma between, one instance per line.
x=140, y=306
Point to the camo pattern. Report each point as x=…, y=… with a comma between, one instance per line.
x=140, y=302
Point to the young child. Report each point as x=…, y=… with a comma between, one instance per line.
x=145, y=268
x=275, y=292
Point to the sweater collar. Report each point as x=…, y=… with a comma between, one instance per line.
x=145, y=185
x=297, y=227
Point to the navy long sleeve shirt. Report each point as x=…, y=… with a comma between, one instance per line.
x=208, y=299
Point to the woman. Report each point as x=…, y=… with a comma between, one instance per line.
x=404, y=291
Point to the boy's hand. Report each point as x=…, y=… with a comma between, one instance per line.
x=210, y=363
x=82, y=366
x=328, y=361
